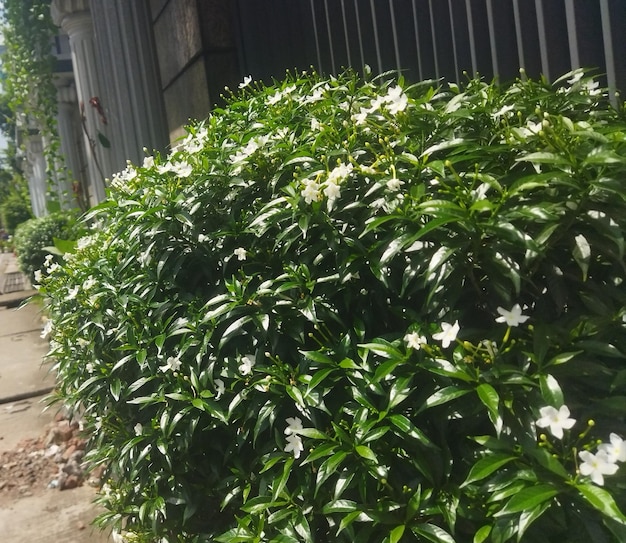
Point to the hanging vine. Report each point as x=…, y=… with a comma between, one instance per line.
x=29, y=64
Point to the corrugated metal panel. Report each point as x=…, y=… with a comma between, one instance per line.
x=434, y=38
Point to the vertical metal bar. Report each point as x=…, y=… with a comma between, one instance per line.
x=570, y=18
x=434, y=36
x=317, y=40
x=492, y=39
x=470, y=28
x=394, y=31
x=330, y=39
x=519, y=36
x=543, y=44
x=376, y=40
x=345, y=31
x=609, y=54
x=454, y=53
x=358, y=30
x=417, y=42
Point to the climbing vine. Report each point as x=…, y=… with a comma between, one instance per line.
x=28, y=64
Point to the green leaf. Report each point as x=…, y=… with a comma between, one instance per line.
x=486, y=466
x=482, y=534
x=404, y=425
x=396, y=534
x=601, y=500
x=279, y=485
x=528, y=517
x=528, y=499
x=582, y=254
x=432, y=533
x=104, y=141
x=444, y=395
x=550, y=390
x=365, y=452
x=339, y=506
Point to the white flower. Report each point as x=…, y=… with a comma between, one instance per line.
x=332, y=191
x=182, y=169
x=315, y=125
x=72, y=293
x=47, y=330
x=294, y=444
x=148, y=162
x=202, y=238
x=240, y=253
x=38, y=276
x=448, y=333
x=90, y=282
x=293, y=425
x=173, y=364
x=275, y=98
x=220, y=388
x=596, y=466
x=82, y=342
x=247, y=363
x=396, y=100
x=340, y=173
x=394, y=184
x=311, y=191
x=415, y=341
x=138, y=429
x=556, y=419
x=90, y=367
x=615, y=450
x=513, y=317
x=246, y=81
x=360, y=117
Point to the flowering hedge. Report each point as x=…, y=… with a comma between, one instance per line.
x=346, y=310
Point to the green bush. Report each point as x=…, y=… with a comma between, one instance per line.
x=34, y=237
x=14, y=210
x=364, y=312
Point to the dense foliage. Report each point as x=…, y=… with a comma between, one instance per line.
x=35, y=238
x=360, y=311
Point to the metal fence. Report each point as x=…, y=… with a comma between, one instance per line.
x=435, y=38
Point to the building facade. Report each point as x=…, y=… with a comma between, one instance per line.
x=142, y=69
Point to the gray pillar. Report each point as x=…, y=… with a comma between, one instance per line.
x=74, y=18
x=134, y=104
x=36, y=174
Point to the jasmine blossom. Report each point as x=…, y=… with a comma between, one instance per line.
x=555, y=419
x=448, y=333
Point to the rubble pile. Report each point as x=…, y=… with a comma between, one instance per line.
x=52, y=461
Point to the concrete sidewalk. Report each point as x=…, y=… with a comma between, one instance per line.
x=45, y=514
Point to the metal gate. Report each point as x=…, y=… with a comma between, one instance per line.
x=434, y=38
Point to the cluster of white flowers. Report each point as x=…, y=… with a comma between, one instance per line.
x=331, y=187
x=393, y=102
x=595, y=466
x=294, y=441
x=121, y=179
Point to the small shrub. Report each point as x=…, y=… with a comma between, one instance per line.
x=14, y=210
x=34, y=237
x=360, y=311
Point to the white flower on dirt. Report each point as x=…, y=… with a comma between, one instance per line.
x=415, y=341
x=615, y=450
x=294, y=444
x=396, y=100
x=311, y=191
x=240, y=253
x=512, y=317
x=220, y=388
x=246, y=81
x=246, y=365
x=294, y=424
x=448, y=333
x=394, y=184
x=555, y=419
x=173, y=363
x=47, y=329
x=596, y=466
